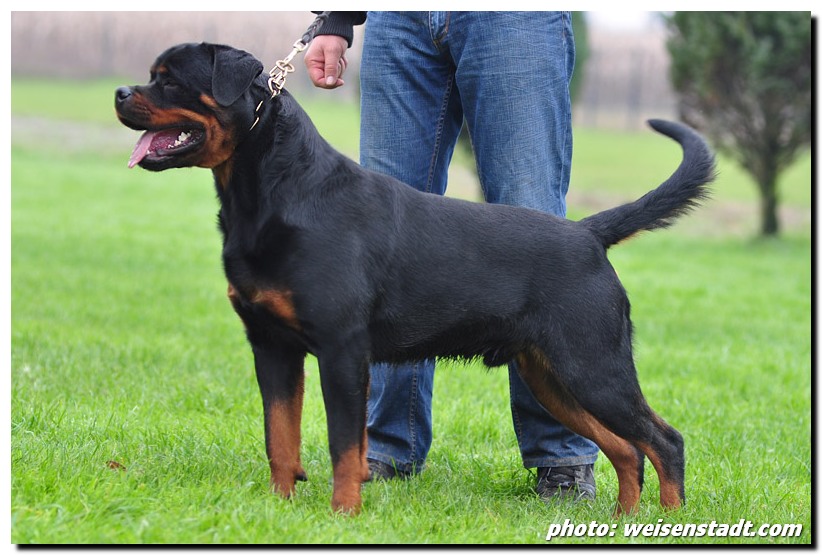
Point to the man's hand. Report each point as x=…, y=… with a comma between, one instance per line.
x=325, y=61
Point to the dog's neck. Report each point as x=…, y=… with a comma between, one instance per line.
x=258, y=109
x=271, y=160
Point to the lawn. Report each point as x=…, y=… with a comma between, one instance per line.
x=136, y=417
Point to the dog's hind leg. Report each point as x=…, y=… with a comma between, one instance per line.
x=628, y=461
x=665, y=449
x=607, y=406
x=613, y=396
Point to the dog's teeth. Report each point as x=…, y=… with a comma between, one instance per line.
x=181, y=138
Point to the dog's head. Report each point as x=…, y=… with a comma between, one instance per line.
x=194, y=108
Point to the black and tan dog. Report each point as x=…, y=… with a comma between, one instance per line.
x=325, y=257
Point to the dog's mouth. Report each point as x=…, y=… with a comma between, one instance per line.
x=157, y=145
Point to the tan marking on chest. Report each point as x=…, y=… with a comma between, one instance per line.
x=280, y=303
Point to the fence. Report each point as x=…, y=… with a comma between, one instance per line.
x=624, y=82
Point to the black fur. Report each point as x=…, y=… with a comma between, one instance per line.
x=677, y=196
x=325, y=257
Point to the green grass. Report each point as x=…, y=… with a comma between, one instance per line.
x=76, y=100
x=124, y=348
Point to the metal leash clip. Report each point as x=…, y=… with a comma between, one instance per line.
x=278, y=74
x=282, y=68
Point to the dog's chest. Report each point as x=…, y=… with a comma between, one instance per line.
x=258, y=286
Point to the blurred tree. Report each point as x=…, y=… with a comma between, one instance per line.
x=745, y=80
x=580, y=26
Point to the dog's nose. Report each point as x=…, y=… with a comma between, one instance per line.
x=121, y=94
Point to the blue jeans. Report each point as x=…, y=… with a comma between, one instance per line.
x=506, y=74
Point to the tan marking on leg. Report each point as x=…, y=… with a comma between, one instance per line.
x=283, y=441
x=350, y=471
x=669, y=496
x=536, y=372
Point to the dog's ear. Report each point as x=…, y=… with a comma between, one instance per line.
x=234, y=71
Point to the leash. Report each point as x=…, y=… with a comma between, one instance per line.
x=278, y=74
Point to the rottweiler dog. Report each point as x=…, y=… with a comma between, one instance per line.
x=325, y=257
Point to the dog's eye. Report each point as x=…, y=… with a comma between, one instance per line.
x=170, y=84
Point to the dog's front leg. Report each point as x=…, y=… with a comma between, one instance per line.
x=280, y=376
x=344, y=377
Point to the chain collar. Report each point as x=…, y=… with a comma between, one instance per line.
x=278, y=74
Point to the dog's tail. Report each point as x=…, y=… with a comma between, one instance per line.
x=678, y=195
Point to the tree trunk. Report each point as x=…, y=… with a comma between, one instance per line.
x=769, y=202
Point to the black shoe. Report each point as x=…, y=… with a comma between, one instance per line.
x=378, y=470
x=567, y=482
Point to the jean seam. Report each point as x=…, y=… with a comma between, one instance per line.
x=438, y=136
x=566, y=133
x=412, y=418
x=514, y=413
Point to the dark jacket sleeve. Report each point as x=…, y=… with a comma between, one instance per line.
x=342, y=24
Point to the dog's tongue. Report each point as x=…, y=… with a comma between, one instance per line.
x=141, y=148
